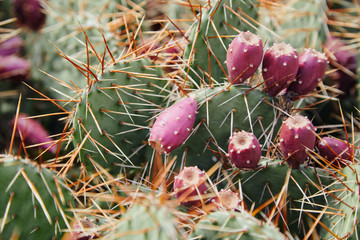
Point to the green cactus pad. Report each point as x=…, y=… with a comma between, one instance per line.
x=223, y=111
x=213, y=30
x=146, y=222
x=34, y=204
x=234, y=225
x=345, y=200
x=113, y=114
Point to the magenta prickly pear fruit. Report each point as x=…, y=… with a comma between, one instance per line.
x=11, y=46
x=84, y=230
x=345, y=77
x=30, y=13
x=227, y=199
x=279, y=68
x=335, y=149
x=14, y=67
x=244, y=56
x=33, y=132
x=173, y=126
x=244, y=150
x=189, y=184
x=312, y=67
x=297, y=134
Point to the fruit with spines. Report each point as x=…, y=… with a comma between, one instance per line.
x=312, y=67
x=279, y=68
x=189, y=185
x=297, y=136
x=173, y=126
x=11, y=46
x=334, y=149
x=244, y=150
x=30, y=13
x=14, y=68
x=244, y=56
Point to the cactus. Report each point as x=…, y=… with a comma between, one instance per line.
x=234, y=225
x=244, y=150
x=146, y=221
x=222, y=110
x=344, y=203
x=110, y=120
x=297, y=136
x=335, y=151
x=35, y=202
x=208, y=37
x=173, y=126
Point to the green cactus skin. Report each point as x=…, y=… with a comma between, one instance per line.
x=20, y=208
x=302, y=25
x=203, y=37
x=345, y=200
x=146, y=222
x=233, y=225
x=122, y=104
x=221, y=112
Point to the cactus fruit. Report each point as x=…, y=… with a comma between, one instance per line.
x=11, y=46
x=297, y=135
x=189, y=185
x=31, y=131
x=227, y=199
x=84, y=229
x=334, y=149
x=244, y=56
x=34, y=202
x=173, y=126
x=233, y=225
x=279, y=68
x=312, y=66
x=30, y=13
x=244, y=150
x=14, y=68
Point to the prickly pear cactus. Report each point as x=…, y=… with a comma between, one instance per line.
x=234, y=225
x=345, y=200
x=110, y=121
x=210, y=37
x=222, y=111
x=34, y=202
x=146, y=222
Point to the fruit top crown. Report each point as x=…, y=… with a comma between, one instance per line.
x=249, y=38
x=319, y=55
x=281, y=49
x=242, y=140
x=297, y=121
x=191, y=176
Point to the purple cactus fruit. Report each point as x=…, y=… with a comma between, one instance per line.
x=297, y=134
x=345, y=77
x=173, y=126
x=11, y=46
x=244, y=150
x=335, y=149
x=189, y=184
x=312, y=67
x=33, y=132
x=279, y=69
x=227, y=198
x=14, y=67
x=30, y=13
x=244, y=56
x=84, y=230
